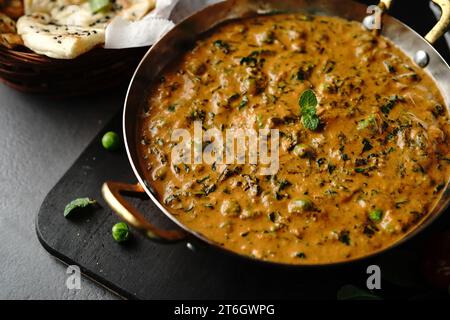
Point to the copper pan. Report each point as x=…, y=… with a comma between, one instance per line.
x=185, y=34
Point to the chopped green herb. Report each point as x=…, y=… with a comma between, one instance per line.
x=438, y=110
x=300, y=255
x=224, y=46
x=438, y=188
x=305, y=17
x=321, y=161
x=170, y=198
x=233, y=98
x=269, y=37
x=366, y=145
x=196, y=115
x=251, y=184
x=199, y=193
x=243, y=103
x=282, y=184
x=344, y=237
x=250, y=61
x=376, y=215
x=389, y=105
x=399, y=203
x=273, y=216
x=389, y=67
x=259, y=120
x=189, y=207
x=208, y=189
x=330, y=192
x=329, y=66
x=345, y=157
x=331, y=168
x=304, y=72
x=202, y=179
x=369, y=123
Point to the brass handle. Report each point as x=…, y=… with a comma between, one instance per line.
x=441, y=27
x=111, y=192
x=385, y=4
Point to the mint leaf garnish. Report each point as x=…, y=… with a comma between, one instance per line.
x=308, y=103
x=78, y=204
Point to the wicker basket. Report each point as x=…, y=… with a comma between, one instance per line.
x=94, y=71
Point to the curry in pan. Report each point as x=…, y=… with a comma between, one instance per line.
x=362, y=171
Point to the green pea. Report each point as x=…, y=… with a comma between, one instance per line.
x=230, y=208
x=111, y=141
x=302, y=150
x=376, y=215
x=300, y=205
x=120, y=232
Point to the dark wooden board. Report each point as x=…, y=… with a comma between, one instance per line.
x=142, y=269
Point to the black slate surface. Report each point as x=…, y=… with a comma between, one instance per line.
x=142, y=269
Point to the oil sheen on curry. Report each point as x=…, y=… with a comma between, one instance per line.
x=364, y=171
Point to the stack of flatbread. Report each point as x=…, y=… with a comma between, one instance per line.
x=65, y=29
x=9, y=11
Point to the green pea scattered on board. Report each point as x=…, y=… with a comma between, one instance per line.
x=120, y=232
x=111, y=141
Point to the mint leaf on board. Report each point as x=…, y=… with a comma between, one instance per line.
x=350, y=292
x=78, y=204
x=308, y=103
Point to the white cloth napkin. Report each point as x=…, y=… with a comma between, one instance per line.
x=122, y=33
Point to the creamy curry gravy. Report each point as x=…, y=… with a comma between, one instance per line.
x=367, y=176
